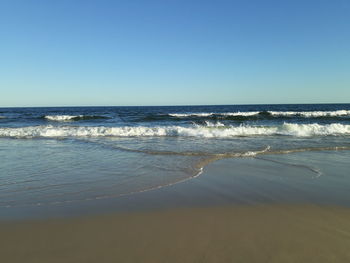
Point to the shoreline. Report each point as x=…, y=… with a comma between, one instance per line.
x=275, y=179
x=238, y=210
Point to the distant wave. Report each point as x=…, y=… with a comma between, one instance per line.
x=73, y=117
x=338, y=113
x=208, y=131
x=203, y=114
x=190, y=114
x=262, y=114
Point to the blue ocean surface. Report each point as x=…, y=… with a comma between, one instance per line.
x=60, y=155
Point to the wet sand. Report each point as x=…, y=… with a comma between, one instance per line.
x=238, y=210
x=257, y=233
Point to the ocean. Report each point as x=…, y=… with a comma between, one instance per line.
x=61, y=155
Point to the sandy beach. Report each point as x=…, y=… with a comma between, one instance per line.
x=265, y=233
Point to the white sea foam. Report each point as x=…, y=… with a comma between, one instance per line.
x=216, y=124
x=61, y=117
x=251, y=153
x=289, y=129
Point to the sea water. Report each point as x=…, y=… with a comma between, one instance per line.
x=53, y=156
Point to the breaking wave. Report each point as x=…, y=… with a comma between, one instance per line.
x=209, y=131
x=73, y=117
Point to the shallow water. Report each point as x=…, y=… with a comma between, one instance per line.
x=52, y=156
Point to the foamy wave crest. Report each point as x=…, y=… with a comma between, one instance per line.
x=61, y=117
x=337, y=113
x=289, y=129
x=248, y=113
x=72, y=117
x=315, y=129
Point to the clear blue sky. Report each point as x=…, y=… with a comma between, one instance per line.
x=70, y=52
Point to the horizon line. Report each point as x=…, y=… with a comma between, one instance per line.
x=176, y=105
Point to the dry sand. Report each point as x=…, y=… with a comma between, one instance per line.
x=264, y=233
